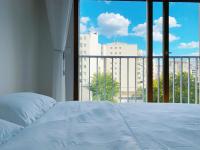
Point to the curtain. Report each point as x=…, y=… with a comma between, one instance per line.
x=59, y=16
x=69, y=61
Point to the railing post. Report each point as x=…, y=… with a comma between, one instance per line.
x=81, y=78
x=174, y=73
x=143, y=94
x=127, y=79
x=120, y=88
x=188, y=80
x=104, y=78
x=97, y=82
x=181, y=82
x=89, y=79
x=149, y=51
x=135, y=79
x=158, y=100
x=199, y=77
x=196, y=80
x=112, y=81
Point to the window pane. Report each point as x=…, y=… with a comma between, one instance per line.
x=184, y=41
x=108, y=32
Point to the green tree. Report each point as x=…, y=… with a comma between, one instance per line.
x=103, y=83
x=177, y=88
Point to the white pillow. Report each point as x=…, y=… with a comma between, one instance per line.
x=24, y=108
x=7, y=130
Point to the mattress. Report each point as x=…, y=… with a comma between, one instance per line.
x=107, y=126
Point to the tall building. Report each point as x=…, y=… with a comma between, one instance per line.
x=129, y=74
x=88, y=46
x=130, y=69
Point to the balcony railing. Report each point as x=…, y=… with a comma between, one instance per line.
x=123, y=78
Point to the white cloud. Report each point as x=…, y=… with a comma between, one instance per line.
x=111, y=24
x=107, y=1
x=172, y=22
x=195, y=53
x=84, y=24
x=173, y=37
x=189, y=45
x=93, y=29
x=84, y=20
x=140, y=29
x=83, y=28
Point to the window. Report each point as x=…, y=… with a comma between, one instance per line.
x=132, y=34
x=106, y=40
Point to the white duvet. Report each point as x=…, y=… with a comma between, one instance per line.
x=106, y=126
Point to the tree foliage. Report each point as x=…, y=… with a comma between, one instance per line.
x=177, y=88
x=101, y=83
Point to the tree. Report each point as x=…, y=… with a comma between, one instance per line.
x=102, y=83
x=177, y=88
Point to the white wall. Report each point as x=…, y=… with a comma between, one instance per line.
x=25, y=55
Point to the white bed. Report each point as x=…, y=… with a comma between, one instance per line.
x=107, y=126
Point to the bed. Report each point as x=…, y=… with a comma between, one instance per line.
x=96, y=125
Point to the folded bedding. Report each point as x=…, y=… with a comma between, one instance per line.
x=107, y=126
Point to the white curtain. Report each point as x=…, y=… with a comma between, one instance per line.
x=70, y=61
x=59, y=13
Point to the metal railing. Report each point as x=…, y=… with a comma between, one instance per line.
x=123, y=78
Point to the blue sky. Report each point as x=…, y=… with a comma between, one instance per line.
x=125, y=22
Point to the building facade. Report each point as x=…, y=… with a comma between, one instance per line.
x=128, y=74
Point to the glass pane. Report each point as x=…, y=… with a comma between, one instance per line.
x=112, y=45
x=184, y=41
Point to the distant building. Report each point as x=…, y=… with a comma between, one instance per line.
x=89, y=45
x=175, y=67
x=131, y=68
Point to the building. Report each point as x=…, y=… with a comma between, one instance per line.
x=88, y=46
x=129, y=74
x=173, y=65
x=131, y=77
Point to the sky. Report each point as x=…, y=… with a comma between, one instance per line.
x=123, y=21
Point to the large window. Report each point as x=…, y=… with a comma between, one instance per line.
x=113, y=48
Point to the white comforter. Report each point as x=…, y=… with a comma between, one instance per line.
x=106, y=126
